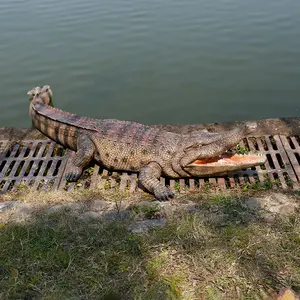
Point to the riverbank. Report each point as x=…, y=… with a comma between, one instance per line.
x=277, y=126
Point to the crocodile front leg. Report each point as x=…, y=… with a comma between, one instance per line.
x=81, y=159
x=149, y=178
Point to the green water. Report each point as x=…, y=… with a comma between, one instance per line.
x=152, y=61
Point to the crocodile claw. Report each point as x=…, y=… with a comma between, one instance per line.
x=74, y=174
x=163, y=194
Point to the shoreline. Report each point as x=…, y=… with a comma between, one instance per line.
x=275, y=126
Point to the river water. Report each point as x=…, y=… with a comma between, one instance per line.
x=155, y=61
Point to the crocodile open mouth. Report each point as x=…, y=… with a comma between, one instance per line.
x=231, y=159
x=224, y=164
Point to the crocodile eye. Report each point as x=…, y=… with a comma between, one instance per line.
x=37, y=94
x=47, y=90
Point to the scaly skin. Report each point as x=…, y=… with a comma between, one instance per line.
x=129, y=146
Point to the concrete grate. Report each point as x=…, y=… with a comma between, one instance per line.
x=278, y=167
x=292, y=148
x=36, y=163
x=41, y=165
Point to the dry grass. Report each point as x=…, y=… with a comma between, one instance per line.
x=222, y=251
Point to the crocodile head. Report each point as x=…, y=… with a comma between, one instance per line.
x=212, y=154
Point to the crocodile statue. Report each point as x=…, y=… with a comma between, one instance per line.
x=130, y=146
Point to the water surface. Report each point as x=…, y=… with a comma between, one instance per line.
x=155, y=61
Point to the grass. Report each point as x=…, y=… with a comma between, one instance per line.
x=150, y=211
x=224, y=250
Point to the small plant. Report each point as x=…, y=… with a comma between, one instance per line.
x=90, y=171
x=177, y=186
x=207, y=186
x=107, y=185
x=297, y=193
x=154, y=266
x=150, y=212
x=288, y=181
x=21, y=186
x=266, y=184
x=241, y=150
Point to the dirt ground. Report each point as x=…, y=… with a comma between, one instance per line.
x=94, y=245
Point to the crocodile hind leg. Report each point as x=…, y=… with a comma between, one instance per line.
x=80, y=159
x=149, y=178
